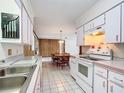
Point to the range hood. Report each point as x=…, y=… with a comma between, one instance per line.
x=95, y=36
x=96, y=31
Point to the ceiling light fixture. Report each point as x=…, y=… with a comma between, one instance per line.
x=60, y=40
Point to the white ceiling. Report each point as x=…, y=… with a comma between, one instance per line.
x=57, y=13
x=60, y=10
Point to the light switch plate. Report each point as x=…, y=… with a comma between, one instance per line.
x=9, y=52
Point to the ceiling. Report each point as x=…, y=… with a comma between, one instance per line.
x=59, y=12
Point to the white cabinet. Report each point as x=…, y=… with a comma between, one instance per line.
x=24, y=25
x=99, y=21
x=115, y=83
x=73, y=65
x=80, y=36
x=113, y=88
x=122, y=35
x=100, y=80
x=87, y=26
x=37, y=88
x=95, y=23
x=27, y=28
x=100, y=84
x=113, y=25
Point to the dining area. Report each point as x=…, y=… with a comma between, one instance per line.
x=61, y=60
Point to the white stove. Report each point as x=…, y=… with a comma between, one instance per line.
x=85, y=68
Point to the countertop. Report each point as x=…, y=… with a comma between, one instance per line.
x=117, y=64
x=26, y=61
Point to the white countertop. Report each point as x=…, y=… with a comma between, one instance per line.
x=117, y=64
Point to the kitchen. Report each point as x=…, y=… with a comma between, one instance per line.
x=93, y=36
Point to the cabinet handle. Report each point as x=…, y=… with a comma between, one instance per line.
x=116, y=37
x=111, y=89
x=98, y=27
x=103, y=84
x=118, y=79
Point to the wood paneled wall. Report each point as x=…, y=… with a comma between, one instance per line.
x=48, y=46
x=28, y=51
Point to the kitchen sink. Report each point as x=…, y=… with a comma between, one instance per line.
x=12, y=84
x=16, y=70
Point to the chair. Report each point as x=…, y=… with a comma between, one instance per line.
x=54, y=58
x=63, y=61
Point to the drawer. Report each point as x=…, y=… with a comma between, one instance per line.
x=100, y=71
x=116, y=77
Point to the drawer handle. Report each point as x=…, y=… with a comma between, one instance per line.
x=103, y=84
x=111, y=89
x=116, y=37
x=118, y=79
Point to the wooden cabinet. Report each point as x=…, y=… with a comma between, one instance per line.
x=100, y=80
x=113, y=25
x=122, y=35
x=80, y=36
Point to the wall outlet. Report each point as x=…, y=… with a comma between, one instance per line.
x=9, y=52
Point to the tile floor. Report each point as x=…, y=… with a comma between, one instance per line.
x=56, y=80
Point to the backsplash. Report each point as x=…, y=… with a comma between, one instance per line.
x=118, y=49
x=10, y=50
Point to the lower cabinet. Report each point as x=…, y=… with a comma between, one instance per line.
x=37, y=88
x=107, y=81
x=100, y=84
x=100, y=80
x=114, y=88
x=73, y=67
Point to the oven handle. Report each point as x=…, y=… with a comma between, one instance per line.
x=86, y=63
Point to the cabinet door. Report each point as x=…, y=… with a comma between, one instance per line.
x=112, y=27
x=80, y=36
x=24, y=26
x=99, y=21
x=100, y=84
x=113, y=88
x=122, y=35
x=87, y=26
x=29, y=31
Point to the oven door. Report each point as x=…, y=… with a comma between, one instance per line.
x=85, y=71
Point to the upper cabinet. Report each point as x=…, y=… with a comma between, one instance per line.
x=113, y=25
x=80, y=36
x=122, y=35
x=24, y=25
x=10, y=21
x=16, y=25
x=99, y=21
x=95, y=23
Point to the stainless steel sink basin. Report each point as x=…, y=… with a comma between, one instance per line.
x=16, y=70
x=12, y=84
